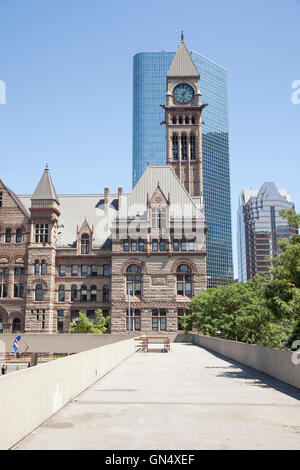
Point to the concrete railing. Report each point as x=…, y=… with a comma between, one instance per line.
x=31, y=396
x=273, y=362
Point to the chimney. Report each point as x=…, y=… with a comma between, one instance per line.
x=120, y=194
x=106, y=197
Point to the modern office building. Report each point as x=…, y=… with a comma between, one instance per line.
x=260, y=227
x=149, y=145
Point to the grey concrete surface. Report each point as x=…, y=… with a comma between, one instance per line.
x=188, y=399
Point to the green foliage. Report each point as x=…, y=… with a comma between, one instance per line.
x=260, y=311
x=84, y=325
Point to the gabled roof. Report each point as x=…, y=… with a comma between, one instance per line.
x=164, y=177
x=16, y=199
x=45, y=189
x=183, y=64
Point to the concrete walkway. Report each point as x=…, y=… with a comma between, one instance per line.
x=187, y=399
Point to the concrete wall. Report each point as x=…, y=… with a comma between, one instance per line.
x=273, y=362
x=31, y=396
x=58, y=343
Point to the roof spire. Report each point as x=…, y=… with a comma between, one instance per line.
x=182, y=36
x=45, y=189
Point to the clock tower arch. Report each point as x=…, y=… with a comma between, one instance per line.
x=183, y=121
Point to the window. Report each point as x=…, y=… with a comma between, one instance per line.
x=39, y=293
x=183, y=245
x=60, y=325
x=44, y=268
x=62, y=270
x=162, y=245
x=90, y=313
x=133, y=280
x=60, y=313
x=93, y=293
x=159, y=321
x=22, y=291
x=181, y=314
x=159, y=218
x=74, y=270
x=126, y=245
x=106, y=270
x=184, y=280
x=73, y=293
x=193, y=147
x=16, y=290
x=83, y=293
x=19, y=290
x=3, y=290
x=191, y=245
x=8, y=235
x=18, y=235
x=133, y=245
x=61, y=293
x=19, y=271
x=141, y=245
x=154, y=245
x=134, y=322
x=193, y=120
x=105, y=293
x=85, y=244
x=175, y=245
x=84, y=270
x=41, y=233
x=1, y=322
x=74, y=314
x=175, y=147
x=36, y=267
x=183, y=147
x=16, y=327
x=1, y=200
x=94, y=270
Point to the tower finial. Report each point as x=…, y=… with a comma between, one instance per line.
x=47, y=168
x=182, y=37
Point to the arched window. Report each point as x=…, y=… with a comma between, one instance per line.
x=36, y=267
x=175, y=146
x=39, y=293
x=44, y=268
x=16, y=326
x=83, y=293
x=173, y=119
x=134, y=280
x=61, y=293
x=105, y=293
x=18, y=235
x=183, y=147
x=8, y=235
x=1, y=325
x=73, y=293
x=93, y=293
x=193, y=147
x=184, y=280
x=193, y=120
x=85, y=244
x=187, y=120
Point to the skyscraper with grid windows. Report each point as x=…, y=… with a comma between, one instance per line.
x=149, y=145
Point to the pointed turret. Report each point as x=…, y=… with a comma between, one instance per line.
x=183, y=64
x=45, y=189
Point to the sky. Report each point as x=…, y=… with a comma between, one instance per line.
x=67, y=67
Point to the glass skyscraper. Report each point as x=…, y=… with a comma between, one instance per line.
x=260, y=227
x=149, y=145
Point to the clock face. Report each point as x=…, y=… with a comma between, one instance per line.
x=183, y=93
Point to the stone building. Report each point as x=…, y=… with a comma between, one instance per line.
x=144, y=251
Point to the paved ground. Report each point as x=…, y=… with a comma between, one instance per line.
x=187, y=399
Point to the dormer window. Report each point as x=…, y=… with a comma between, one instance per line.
x=85, y=244
x=159, y=217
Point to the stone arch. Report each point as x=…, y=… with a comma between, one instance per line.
x=186, y=261
x=17, y=321
x=136, y=261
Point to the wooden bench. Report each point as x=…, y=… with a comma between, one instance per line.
x=144, y=342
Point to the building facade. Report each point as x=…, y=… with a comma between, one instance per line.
x=149, y=87
x=260, y=227
x=143, y=252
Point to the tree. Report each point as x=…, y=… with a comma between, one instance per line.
x=237, y=312
x=83, y=325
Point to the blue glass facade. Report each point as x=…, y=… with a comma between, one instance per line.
x=149, y=145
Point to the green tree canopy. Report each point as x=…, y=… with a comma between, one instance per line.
x=84, y=325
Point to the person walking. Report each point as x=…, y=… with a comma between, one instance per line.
x=4, y=369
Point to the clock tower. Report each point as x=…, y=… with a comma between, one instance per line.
x=183, y=111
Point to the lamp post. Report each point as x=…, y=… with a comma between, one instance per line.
x=129, y=321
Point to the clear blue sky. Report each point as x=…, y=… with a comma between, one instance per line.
x=67, y=65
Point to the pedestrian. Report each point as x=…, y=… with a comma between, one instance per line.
x=28, y=365
x=4, y=369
